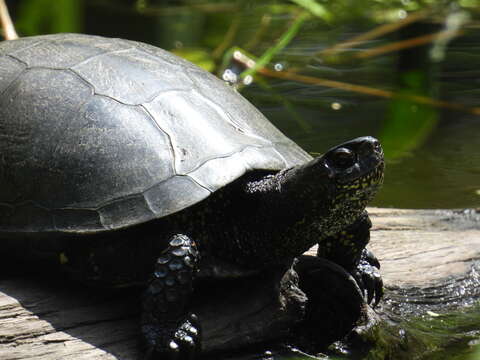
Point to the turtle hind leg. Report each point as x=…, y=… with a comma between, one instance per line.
x=169, y=331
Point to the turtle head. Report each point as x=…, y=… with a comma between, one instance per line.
x=355, y=168
x=300, y=206
x=333, y=189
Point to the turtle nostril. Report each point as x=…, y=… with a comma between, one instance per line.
x=343, y=157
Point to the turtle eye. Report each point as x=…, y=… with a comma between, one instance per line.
x=343, y=157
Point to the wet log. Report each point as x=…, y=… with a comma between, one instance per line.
x=427, y=255
x=430, y=259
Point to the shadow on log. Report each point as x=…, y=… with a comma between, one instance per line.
x=429, y=262
x=42, y=318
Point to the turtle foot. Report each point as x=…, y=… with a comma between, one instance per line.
x=182, y=344
x=368, y=277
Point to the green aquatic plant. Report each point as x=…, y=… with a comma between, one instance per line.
x=408, y=123
x=315, y=8
x=282, y=42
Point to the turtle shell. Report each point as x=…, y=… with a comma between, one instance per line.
x=99, y=133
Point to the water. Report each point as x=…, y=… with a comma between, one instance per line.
x=433, y=157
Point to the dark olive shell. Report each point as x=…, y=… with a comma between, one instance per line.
x=99, y=133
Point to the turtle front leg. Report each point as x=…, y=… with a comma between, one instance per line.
x=169, y=331
x=368, y=276
x=348, y=249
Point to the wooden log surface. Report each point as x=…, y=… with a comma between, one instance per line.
x=430, y=258
x=423, y=248
x=433, y=252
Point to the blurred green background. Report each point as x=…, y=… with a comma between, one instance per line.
x=412, y=79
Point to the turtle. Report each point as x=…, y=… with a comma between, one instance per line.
x=126, y=165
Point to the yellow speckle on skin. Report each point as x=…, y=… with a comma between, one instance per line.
x=63, y=258
x=477, y=192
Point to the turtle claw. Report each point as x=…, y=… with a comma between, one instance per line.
x=370, y=258
x=378, y=291
x=183, y=345
x=187, y=338
x=368, y=277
